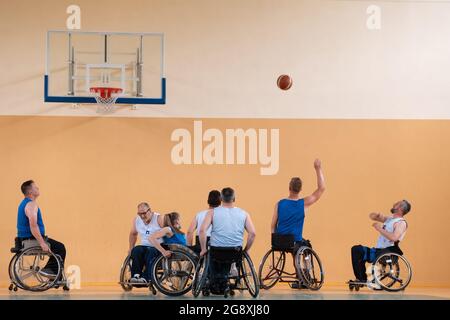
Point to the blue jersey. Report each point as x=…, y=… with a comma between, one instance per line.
x=177, y=238
x=291, y=215
x=23, y=223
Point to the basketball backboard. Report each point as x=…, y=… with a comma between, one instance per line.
x=77, y=61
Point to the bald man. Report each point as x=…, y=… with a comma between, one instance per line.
x=145, y=224
x=391, y=229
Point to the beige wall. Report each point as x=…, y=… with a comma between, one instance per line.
x=223, y=58
x=93, y=171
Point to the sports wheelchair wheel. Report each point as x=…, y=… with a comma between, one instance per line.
x=249, y=274
x=125, y=275
x=14, y=285
x=173, y=276
x=309, y=267
x=392, y=272
x=271, y=268
x=27, y=270
x=201, y=276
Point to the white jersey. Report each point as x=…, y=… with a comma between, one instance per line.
x=228, y=227
x=388, y=225
x=146, y=230
x=200, y=218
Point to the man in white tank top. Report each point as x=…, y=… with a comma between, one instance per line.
x=214, y=200
x=228, y=225
x=392, y=230
x=145, y=224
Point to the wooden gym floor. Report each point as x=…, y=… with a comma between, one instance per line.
x=279, y=292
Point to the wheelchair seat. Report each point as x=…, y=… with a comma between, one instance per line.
x=23, y=244
x=17, y=245
x=283, y=242
x=226, y=254
x=244, y=278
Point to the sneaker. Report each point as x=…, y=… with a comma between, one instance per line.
x=373, y=285
x=48, y=273
x=234, y=271
x=136, y=279
x=297, y=285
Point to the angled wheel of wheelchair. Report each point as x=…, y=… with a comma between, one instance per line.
x=200, y=276
x=271, y=268
x=27, y=270
x=309, y=266
x=249, y=274
x=392, y=272
x=14, y=285
x=173, y=276
x=125, y=275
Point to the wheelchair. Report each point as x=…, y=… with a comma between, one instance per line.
x=390, y=271
x=172, y=276
x=25, y=268
x=244, y=279
x=307, y=264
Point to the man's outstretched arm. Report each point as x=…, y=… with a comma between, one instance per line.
x=313, y=198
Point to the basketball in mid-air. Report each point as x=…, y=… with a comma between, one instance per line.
x=284, y=82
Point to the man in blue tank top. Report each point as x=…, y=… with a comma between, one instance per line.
x=289, y=213
x=30, y=225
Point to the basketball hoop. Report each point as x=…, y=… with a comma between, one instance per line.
x=106, y=98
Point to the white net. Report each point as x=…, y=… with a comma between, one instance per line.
x=105, y=105
x=106, y=99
